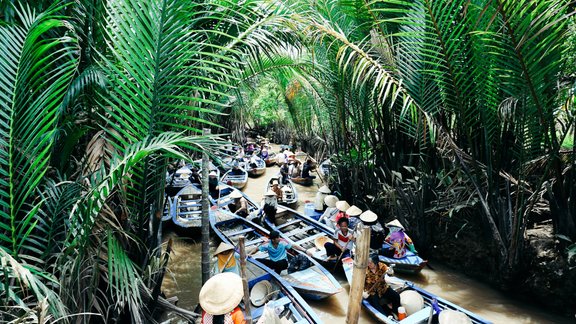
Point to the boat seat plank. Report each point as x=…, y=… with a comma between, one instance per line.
x=246, y=230
x=299, y=231
x=417, y=317
x=309, y=238
x=282, y=301
x=292, y=222
x=256, y=241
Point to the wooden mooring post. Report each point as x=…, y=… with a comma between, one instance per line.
x=359, y=274
x=248, y=313
x=205, y=215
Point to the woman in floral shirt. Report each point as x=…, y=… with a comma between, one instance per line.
x=377, y=291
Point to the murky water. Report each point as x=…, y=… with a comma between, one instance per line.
x=185, y=280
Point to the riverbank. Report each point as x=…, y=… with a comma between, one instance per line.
x=543, y=280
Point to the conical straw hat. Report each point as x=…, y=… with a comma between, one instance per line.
x=236, y=194
x=223, y=247
x=412, y=301
x=395, y=223
x=325, y=189
x=342, y=205
x=221, y=293
x=449, y=316
x=330, y=200
x=353, y=211
x=260, y=293
x=368, y=217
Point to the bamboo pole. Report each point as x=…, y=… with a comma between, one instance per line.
x=205, y=215
x=359, y=275
x=248, y=315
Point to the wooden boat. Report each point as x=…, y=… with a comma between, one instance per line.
x=187, y=208
x=224, y=200
x=271, y=159
x=168, y=208
x=258, y=170
x=411, y=263
x=236, y=180
x=400, y=285
x=283, y=299
x=307, y=182
x=302, y=230
x=289, y=193
x=314, y=282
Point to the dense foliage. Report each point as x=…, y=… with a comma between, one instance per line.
x=429, y=108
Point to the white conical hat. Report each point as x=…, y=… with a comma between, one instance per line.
x=325, y=189
x=221, y=293
x=330, y=200
x=353, y=211
x=449, y=316
x=212, y=173
x=223, y=247
x=395, y=223
x=368, y=217
x=236, y=194
x=342, y=205
x=412, y=301
x=260, y=293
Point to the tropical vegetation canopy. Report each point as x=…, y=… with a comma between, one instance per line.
x=429, y=109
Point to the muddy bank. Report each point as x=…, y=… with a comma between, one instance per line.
x=543, y=277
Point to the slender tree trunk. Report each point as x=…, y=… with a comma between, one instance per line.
x=205, y=215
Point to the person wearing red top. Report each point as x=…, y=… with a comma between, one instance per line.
x=343, y=237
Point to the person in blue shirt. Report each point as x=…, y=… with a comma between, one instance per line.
x=277, y=255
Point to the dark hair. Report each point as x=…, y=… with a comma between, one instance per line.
x=342, y=220
x=274, y=235
x=375, y=259
x=217, y=319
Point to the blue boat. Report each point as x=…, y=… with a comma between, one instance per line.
x=421, y=316
x=411, y=263
x=187, y=208
x=168, y=208
x=314, y=282
x=224, y=200
x=289, y=192
x=283, y=298
x=238, y=181
x=302, y=230
x=255, y=170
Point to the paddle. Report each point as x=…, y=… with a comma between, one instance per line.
x=341, y=254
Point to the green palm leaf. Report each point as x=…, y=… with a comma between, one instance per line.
x=36, y=69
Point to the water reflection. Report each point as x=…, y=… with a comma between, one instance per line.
x=184, y=279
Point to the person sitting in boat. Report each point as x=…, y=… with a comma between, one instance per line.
x=306, y=168
x=194, y=176
x=276, y=189
x=343, y=237
x=398, y=240
x=331, y=210
x=284, y=172
x=239, y=204
x=353, y=213
x=281, y=158
x=294, y=168
x=342, y=207
x=219, y=299
x=319, y=199
x=227, y=259
x=250, y=148
x=236, y=170
x=263, y=152
x=213, y=184
x=253, y=161
x=276, y=248
x=377, y=291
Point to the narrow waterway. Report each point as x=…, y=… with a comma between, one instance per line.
x=184, y=279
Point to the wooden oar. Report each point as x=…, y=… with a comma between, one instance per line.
x=341, y=254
